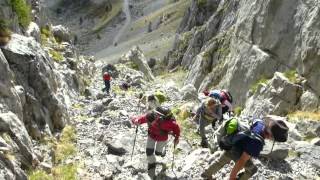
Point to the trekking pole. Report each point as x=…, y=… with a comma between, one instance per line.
x=135, y=136
x=173, y=153
x=134, y=142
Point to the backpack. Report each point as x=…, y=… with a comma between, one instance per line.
x=159, y=115
x=235, y=131
x=229, y=96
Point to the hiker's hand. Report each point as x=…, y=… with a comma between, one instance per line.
x=134, y=120
x=176, y=141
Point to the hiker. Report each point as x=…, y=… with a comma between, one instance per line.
x=125, y=86
x=161, y=122
x=225, y=98
x=240, y=143
x=107, y=79
x=208, y=113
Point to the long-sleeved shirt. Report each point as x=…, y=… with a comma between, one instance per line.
x=159, y=129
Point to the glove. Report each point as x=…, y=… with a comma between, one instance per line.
x=134, y=120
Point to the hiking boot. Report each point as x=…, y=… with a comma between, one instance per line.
x=204, y=143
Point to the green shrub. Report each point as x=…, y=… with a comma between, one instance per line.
x=23, y=11
x=160, y=96
x=65, y=147
x=39, y=175
x=57, y=56
x=291, y=75
x=65, y=172
x=238, y=110
x=202, y=3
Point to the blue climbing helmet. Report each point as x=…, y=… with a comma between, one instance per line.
x=215, y=94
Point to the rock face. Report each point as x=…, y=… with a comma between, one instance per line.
x=278, y=96
x=136, y=56
x=35, y=96
x=242, y=42
x=34, y=72
x=33, y=31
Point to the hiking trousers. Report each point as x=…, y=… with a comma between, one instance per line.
x=225, y=158
x=154, y=148
x=203, y=123
x=107, y=86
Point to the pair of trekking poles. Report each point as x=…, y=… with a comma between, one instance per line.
x=135, y=139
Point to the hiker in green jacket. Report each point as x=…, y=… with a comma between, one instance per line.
x=240, y=143
x=209, y=112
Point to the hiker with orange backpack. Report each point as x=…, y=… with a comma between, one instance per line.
x=161, y=123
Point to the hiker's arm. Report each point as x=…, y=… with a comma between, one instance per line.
x=227, y=103
x=140, y=119
x=239, y=165
x=218, y=113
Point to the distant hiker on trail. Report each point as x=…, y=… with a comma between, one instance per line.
x=107, y=80
x=225, y=98
x=208, y=113
x=161, y=123
x=240, y=143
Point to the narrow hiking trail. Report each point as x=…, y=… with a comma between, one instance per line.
x=126, y=10
x=105, y=134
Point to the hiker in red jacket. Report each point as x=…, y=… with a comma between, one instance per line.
x=161, y=122
x=107, y=79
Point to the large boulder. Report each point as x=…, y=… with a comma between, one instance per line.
x=61, y=33
x=15, y=128
x=277, y=96
x=309, y=101
x=136, y=56
x=189, y=92
x=279, y=152
x=33, y=30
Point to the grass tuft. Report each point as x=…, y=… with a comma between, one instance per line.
x=56, y=55
x=238, y=110
x=39, y=175
x=182, y=115
x=304, y=115
x=291, y=75
x=177, y=76
x=23, y=11
x=65, y=147
x=65, y=172
x=262, y=80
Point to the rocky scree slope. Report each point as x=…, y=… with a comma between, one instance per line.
x=36, y=91
x=105, y=133
x=236, y=44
